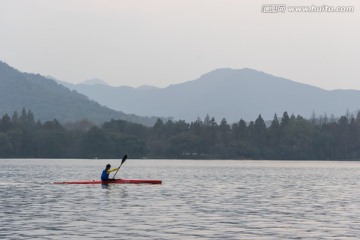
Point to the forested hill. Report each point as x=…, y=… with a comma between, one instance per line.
x=226, y=93
x=49, y=100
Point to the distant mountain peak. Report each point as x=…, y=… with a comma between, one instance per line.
x=95, y=81
x=146, y=88
x=231, y=71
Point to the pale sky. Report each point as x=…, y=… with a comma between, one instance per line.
x=164, y=42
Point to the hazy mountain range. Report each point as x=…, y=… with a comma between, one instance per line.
x=225, y=93
x=49, y=100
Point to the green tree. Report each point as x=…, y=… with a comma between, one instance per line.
x=51, y=140
x=273, y=138
x=5, y=145
x=97, y=144
x=5, y=123
x=184, y=145
x=284, y=120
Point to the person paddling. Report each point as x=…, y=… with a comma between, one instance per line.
x=107, y=171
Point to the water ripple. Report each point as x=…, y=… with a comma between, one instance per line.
x=197, y=200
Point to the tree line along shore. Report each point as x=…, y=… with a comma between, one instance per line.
x=285, y=138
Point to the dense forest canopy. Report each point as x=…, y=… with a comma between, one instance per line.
x=287, y=137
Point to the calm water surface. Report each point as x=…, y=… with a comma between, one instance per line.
x=197, y=200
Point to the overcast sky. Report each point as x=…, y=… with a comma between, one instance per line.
x=163, y=42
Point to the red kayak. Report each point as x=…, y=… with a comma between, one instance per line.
x=117, y=181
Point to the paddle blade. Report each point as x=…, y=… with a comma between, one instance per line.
x=124, y=159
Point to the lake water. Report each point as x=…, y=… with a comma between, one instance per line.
x=197, y=200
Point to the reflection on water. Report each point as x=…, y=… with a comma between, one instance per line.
x=197, y=200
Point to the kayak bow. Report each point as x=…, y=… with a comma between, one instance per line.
x=113, y=181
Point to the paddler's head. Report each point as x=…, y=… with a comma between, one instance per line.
x=108, y=167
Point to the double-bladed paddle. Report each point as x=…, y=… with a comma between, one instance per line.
x=123, y=160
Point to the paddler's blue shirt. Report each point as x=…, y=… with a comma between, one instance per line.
x=105, y=173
